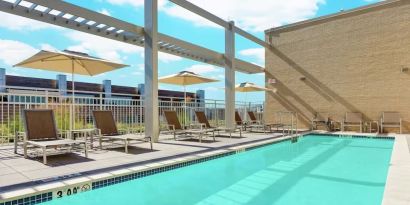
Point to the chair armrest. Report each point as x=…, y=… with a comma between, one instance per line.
x=201, y=125
x=172, y=126
x=123, y=131
x=63, y=134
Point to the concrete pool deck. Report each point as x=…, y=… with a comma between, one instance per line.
x=17, y=172
x=30, y=176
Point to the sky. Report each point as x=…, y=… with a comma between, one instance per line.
x=20, y=38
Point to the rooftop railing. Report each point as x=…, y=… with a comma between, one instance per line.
x=128, y=109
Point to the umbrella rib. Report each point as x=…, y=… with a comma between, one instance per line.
x=82, y=64
x=43, y=59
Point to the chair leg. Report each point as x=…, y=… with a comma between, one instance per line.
x=44, y=155
x=85, y=150
x=213, y=134
x=25, y=149
x=150, y=141
x=100, y=142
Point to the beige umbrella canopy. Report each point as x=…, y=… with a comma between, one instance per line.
x=185, y=78
x=69, y=62
x=249, y=87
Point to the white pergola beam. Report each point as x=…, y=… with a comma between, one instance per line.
x=88, y=14
x=151, y=112
x=132, y=34
x=251, y=37
x=230, y=76
x=201, y=12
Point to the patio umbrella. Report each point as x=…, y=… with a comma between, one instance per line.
x=249, y=87
x=185, y=78
x=69, y=62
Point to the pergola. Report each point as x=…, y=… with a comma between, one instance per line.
x=74, y=17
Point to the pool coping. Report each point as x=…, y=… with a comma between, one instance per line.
x=48, y=191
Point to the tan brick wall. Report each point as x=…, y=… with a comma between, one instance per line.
x=351, y=63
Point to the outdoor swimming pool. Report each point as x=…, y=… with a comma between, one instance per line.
x=315, y=170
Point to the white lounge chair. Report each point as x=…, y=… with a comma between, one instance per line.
x=107, y=130
x=41, y=131
x=391, y=120
x=353, y=119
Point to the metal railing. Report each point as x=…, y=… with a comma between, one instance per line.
x=128, y=110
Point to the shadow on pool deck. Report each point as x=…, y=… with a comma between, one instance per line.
x=31, y=172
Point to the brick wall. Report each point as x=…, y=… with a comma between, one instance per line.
x=349, y=62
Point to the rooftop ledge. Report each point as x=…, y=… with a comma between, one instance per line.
x=335, y=16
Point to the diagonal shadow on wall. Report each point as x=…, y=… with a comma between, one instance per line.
x=289, y=105
x=313, y=80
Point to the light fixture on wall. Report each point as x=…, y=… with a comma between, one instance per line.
x=303, y=78
x=404, y=69
x=271, y=81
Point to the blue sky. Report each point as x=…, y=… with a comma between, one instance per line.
x=20, y=38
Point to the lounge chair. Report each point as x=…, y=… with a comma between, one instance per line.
x=391, y=120
x=202, y=119
x=107, y=130
x=258, y=123
x=353, y=119
x=41, y=131
x=239, y=121
x=321, y=118
x=176, y=128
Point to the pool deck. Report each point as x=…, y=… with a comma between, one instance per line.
x=20, y=176
x=397, y=191
x=16, y=172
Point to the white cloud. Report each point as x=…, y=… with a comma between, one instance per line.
x=248, y=14
x=105, y=12
x=257, y=53
x=12, y=52
x=135, y=3
x=17, y=23
x=137, y=73
x=202, y=69
x=102, y=47
x=167, y=58
x=211, y=89
x=13, y=73
x=47, y=47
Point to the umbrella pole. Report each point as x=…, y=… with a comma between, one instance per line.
x=72, y=97
x=185, y=120
x=246, y=105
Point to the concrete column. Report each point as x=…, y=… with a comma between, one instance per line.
x=151, y=69
x=141, y=89
x=2, y=80
x=107, y=88
x=230, y=76
x=62, y=84
x=200, y=96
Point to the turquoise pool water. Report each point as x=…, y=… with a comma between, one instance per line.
x=316, y=170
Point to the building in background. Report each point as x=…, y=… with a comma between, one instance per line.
x=60, y=86
x=353, y=61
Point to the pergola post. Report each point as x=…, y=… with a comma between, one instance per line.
x=230, y=75
x=151, y=69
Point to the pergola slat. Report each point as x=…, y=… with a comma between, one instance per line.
x=131, y=34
